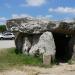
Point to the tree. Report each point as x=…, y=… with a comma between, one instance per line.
x=2, y=28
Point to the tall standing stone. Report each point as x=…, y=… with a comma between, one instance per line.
x=26, y=45
x=45, y=44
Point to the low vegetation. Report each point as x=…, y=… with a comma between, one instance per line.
x=2, y=28
x=8, y=59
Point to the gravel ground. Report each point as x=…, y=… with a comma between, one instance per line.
x=7, y=44
x=63, y=69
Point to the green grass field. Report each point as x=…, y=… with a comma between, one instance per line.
x=9, y=59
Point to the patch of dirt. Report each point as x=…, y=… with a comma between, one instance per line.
x=62, y=69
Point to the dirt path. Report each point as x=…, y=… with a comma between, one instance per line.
x=63, y=69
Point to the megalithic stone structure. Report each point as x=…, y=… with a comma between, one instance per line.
x=33, y=35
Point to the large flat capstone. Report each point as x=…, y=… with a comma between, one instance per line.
x=37, y=26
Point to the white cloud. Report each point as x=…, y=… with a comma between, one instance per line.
x=34, y=3
x=14, y=16
x=63, y=10
x=2, y=20
x=68, y=19
x=44, y=17
x=49, y=16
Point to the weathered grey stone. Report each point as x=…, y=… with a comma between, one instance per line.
x=30, y=44
x=26, y=45
x=45, y=44
x=34, y=26
x=47, y=59
x=37, y=26
x=72, y=48
x=23, y=42
x=19, y=42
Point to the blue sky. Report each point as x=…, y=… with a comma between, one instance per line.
x=53, y=9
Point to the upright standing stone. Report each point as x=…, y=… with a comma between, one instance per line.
x=19, y=42
x=46, y=59
x=26, y=45
x=72, y=48
x=45, y=43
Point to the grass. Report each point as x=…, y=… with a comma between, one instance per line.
x=8, y=59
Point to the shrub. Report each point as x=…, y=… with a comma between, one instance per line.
x=2, y=28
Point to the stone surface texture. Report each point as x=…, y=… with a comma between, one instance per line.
x=45, y=44
x=36, y=26
x=26, y=45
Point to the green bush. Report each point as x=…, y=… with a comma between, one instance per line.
x=2, y=28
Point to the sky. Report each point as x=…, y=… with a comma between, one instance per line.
x=52, y=9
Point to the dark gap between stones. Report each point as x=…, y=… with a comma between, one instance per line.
x=63, y=53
